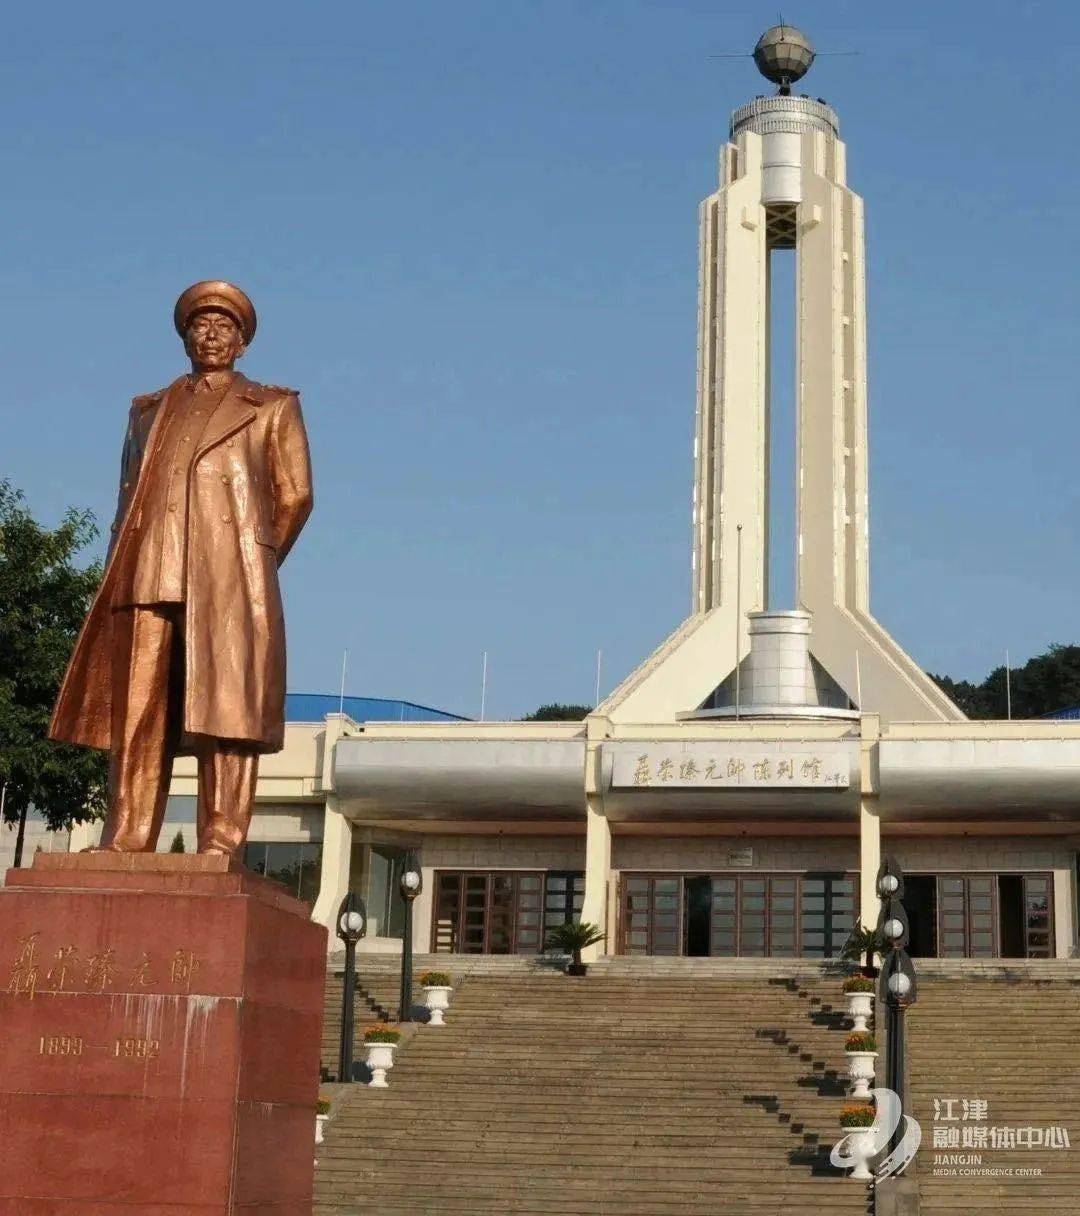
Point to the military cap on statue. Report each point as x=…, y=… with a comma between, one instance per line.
x=216, y=293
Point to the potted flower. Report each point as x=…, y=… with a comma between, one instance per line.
x=857, y=1121
x=322, y=1114
x=380, y=1041
x=573, y=937
x=859, y=990
x=861, y=1050
x=437, y=989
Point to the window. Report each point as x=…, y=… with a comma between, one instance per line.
x=295, y=865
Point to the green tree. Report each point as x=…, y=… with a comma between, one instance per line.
x=963, y=693
x=558, y=713
x=1044, y=685
x=177, y=845
x=44, y=596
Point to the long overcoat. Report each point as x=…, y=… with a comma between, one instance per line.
x=249, y=494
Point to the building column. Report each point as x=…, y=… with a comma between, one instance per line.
x=597, y=873
x=869, y=861
x=334, y=878
x=869, y=819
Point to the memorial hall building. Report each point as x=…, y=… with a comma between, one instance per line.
x=735, y=794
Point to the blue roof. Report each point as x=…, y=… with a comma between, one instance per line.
x=314, y=706
x=1073, y=712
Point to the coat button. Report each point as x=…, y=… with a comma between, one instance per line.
x=224, y=481
x=228, y=443
x=172, y=506
x=226, y=519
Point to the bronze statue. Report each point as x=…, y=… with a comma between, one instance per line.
x=183, y=649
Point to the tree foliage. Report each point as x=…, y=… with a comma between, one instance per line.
x=558, y=713
x=178, y=845
x=1044, y=685
x=44, y=596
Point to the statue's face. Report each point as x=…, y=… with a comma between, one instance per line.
x=213, y=340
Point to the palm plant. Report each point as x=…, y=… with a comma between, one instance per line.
x=573, y=937
x=861, y=946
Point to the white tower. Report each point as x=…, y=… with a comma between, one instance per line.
x=782, y=186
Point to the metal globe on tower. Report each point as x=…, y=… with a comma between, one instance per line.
x=783, y=55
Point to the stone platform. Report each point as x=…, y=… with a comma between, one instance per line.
x=161, y=1019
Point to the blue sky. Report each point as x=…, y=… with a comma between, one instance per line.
x=470, y=231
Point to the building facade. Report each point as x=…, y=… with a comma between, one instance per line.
x=736, y=793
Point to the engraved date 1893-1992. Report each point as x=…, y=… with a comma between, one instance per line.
x=126, y=1047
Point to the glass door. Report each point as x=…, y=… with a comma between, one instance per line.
x=782, y=915
x=444, y=928
x=826, y=914
x=474, y=908
x=724, y=930
x=651, y=914
x=738, y=915
x=1038, y=915
x=967, y=915
x=529, y=914
x=487, y=912
x=385, y=903
x=501, y=923
x=564, y=895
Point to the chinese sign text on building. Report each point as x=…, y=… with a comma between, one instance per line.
x=708, y=766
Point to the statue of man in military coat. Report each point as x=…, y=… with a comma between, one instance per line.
x=183, y=649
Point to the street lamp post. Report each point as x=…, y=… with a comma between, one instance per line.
x=412, y=883
x=351, y=927
x=897, y=987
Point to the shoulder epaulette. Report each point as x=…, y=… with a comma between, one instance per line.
x=260, y=394
x=148, y=399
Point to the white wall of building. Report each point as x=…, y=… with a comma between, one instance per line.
x=692, y=854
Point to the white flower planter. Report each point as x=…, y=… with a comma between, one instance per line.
x=379, y=1057
x=320, y=1125
x=860, y=1006
x=859, y=1146
x=437, y=999
x=861, y=1072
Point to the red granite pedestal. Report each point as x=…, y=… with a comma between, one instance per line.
x=160, y=1021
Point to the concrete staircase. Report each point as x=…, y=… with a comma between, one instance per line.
x=650, y=1087
x=377, y=992
x=1009, y=1033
